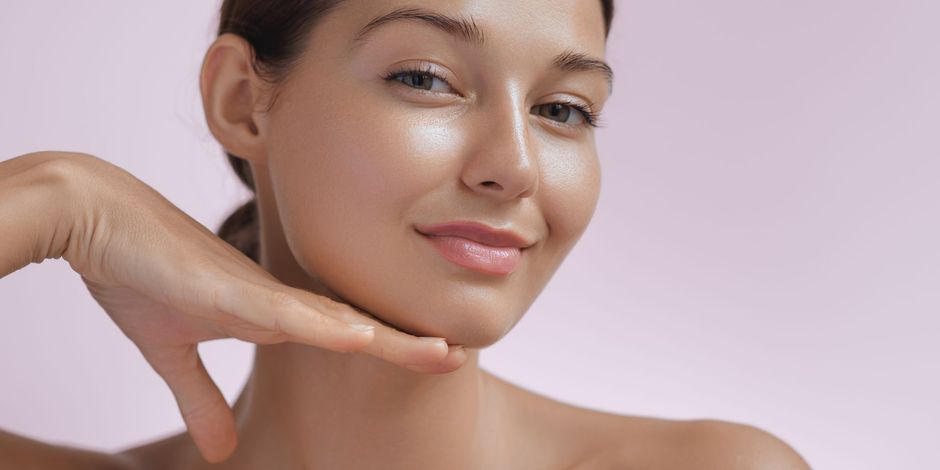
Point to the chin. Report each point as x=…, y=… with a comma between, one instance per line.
x=454, y=316
x=474, y=328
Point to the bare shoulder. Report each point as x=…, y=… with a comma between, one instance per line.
x=591, y=439
x=24, y=453
x=702, y=444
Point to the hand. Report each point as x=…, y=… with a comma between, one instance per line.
x=170, y=283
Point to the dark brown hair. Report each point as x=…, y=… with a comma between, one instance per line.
x=276, y=30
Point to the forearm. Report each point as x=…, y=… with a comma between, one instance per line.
x=22, y=453
x=34, y=214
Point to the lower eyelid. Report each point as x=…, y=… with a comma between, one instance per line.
x=425, y=92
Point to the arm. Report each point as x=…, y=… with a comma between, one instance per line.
x=169, y=283
x=21, y=453
x=33, y=227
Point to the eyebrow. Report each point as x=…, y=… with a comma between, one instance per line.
x=466, y=30
x=463, y=28
x=580, y=62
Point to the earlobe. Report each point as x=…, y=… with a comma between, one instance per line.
x=230, y=95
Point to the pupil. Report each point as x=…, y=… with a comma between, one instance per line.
x=559, y=110
x=421, y=80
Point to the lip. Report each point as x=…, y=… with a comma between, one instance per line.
x=476, y=246
x=475, y=231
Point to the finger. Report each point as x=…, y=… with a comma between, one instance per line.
x=278, y=310
x=208, y=417
x=389, y=344
x=456, y=357
x=313, y=314
x=324, y=322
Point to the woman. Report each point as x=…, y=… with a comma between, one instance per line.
x=421, y=169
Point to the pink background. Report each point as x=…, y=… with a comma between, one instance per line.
x=765, y=249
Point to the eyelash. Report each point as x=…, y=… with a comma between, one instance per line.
x=591, y=118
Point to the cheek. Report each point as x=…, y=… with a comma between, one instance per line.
x=347, y=177
x=572, y=177
x=358, y=157
x=568, y=196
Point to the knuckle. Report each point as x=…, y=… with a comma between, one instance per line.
x=330, y=304
x=316, y=325
x=214, y=297
x=198, y=291
x=201, y=408
x=312, y=323
x=216, y=292
x=281, y=300
x=174, y=363
x=277, y=325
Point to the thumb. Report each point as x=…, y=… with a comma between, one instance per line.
x=209, y=420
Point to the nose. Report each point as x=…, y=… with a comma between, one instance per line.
x=503, y=163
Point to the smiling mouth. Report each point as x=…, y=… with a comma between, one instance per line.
x=476, y=256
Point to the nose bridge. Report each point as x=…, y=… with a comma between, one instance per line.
x=505, y=163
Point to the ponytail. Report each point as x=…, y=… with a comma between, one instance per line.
x=241, y=229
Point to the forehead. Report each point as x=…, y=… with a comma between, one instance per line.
x=527, y=26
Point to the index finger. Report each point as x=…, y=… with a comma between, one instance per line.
x=419, y=353
x=280, y=310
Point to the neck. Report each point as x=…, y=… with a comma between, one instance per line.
x=323, y=409
x=307, y=407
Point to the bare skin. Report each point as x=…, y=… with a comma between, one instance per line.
x=346, y=163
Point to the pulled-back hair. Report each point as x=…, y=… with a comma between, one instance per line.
x=276, y=31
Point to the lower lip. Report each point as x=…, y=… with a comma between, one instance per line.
x=482, y=258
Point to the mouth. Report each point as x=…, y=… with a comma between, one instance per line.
x=486, y=259
x=476, y=247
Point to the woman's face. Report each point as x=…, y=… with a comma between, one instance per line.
x=361, y=152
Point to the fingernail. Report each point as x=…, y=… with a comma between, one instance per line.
x=361, y=327
x=432, y=339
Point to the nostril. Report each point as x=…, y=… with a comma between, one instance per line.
x=489, y=183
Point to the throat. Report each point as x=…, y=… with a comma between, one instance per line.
x=323, y=409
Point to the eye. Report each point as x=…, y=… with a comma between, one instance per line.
x=568, y=113
x=420, y=79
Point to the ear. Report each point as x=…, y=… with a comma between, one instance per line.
x=232, y=96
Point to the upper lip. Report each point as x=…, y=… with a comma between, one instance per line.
x=477, y=232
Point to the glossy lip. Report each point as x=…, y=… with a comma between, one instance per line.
x=475, y=231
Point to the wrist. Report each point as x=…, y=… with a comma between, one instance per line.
x=41, y=203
